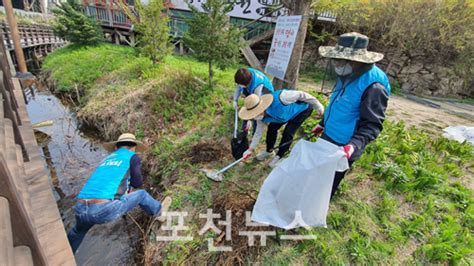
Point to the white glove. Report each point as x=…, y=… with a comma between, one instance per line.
x=236, y=105
x=320, y=109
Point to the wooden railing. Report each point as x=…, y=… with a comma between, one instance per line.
x=31, y=229
x=30, y=35
x=108, y=16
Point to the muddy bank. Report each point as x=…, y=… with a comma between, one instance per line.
x=71, y=155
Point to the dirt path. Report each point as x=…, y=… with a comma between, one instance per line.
x=430, y=115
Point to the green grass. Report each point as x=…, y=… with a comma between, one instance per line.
x=78, y=66
x=405, y=202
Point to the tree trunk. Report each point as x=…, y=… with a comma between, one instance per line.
x=298, y=7
x=211, y=73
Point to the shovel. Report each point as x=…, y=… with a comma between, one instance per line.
x=239, y=143
x=217, y=175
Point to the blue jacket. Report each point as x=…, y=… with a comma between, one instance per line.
x=111, y=178
x=258, y=78
x=343, y=112
x=281, y=113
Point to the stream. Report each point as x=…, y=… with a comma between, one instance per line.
x=71, y=155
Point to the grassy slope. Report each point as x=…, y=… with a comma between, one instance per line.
x=403, y=202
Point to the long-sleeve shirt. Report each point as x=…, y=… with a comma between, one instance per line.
x=286, y=97
x=136, y=177
x=372, y=114
x=239, y=89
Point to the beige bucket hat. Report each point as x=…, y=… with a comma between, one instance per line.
x=126, y=137
x=254, y=105
x=351, y=46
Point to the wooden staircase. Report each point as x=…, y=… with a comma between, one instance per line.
x=31, y=228
x=255, y=35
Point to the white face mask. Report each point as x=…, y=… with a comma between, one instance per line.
x=343, y=70
x=260, y=117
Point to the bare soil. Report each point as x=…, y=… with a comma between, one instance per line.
x=433, y=119
x=208, y=151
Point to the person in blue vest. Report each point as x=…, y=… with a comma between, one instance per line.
x=272, y=111
x=250, y=81
x=356, y=110
x=108, y=193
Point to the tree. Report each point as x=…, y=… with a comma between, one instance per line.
x=302, y=8
x=151, y=23
x=212, y=37
x=72, y=25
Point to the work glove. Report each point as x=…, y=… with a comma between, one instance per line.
x=236, y=105
x=317, y=130
x=247, y=154
x=348, y=150
x=319, y=109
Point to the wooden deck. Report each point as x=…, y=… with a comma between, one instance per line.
x=31, y=228
x=30, y=36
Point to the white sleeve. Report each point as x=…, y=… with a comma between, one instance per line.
x=258, y=90
x=292, y=96
x=257, y=136
x=238, y=91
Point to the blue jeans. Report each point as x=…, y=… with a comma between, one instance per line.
x=89, y=214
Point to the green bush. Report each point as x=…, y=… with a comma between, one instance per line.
x=72, y=25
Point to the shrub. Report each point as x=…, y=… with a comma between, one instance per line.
x=72, y=25
x=438, y=29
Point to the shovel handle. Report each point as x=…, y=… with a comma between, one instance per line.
x=229, y=166
x=236, y=123
x=291, y=141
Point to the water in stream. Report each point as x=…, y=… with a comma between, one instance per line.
x=71, y=156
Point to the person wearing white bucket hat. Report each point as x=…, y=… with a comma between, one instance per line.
x=356, y=110
x=272, y=111
x=107, y=194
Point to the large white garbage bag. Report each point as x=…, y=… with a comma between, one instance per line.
x=460, y=133
x=297, y=192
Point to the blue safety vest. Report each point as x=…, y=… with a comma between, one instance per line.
x=258, y=78
x=282, y=113
x=110, y=179
x=343, y=112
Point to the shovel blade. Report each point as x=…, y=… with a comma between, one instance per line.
x=213, y=175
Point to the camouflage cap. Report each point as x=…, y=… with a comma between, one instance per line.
x=353, y=47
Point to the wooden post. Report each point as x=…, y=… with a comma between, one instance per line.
x=20, y=57
x=297, y=8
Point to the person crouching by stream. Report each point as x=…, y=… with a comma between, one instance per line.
x=108, y=194
x=274, y=110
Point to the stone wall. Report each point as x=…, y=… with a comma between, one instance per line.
x=414, y=73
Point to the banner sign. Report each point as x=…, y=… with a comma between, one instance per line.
x=282, y=45
x=247, y=9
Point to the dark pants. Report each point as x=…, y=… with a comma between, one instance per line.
x=338, y=176
x=288, y=134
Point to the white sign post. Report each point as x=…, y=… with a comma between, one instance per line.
x=282, y=45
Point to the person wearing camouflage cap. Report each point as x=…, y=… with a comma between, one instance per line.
x=356, y=109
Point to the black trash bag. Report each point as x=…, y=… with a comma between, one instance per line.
x=239, y=145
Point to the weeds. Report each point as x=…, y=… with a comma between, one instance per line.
x=404, y=203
